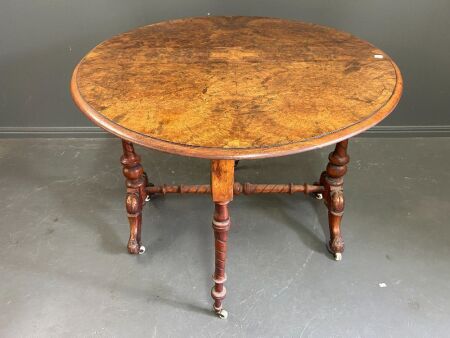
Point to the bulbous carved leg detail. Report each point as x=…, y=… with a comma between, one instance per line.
x=136, y=181
x=135, y=218
x=333, y=181
x=335, y=212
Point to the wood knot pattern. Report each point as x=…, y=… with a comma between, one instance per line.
x=235, y=87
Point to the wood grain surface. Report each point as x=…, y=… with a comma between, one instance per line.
x=236, y=87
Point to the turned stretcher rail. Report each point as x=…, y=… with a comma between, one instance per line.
x=238, y=188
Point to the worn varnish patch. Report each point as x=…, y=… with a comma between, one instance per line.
x=235, y=82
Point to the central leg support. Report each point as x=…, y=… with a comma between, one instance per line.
x=221, y=225
x=222, y=179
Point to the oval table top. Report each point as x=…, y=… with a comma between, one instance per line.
x=236, y=87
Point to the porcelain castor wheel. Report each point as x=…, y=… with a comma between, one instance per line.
x=222, y=314
x=337, y=255
x=141, y=250
x=318, y=196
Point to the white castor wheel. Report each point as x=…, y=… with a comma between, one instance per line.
x=222, y=314
x=141, y=250
x=318, y=196
x=337, y=255
x=147, y=199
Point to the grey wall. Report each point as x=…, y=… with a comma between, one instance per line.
x=42, y=40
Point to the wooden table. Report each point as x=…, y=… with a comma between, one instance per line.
x=231, y=88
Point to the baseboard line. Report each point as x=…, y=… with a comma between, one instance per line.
x=96, y=132
x=53, y=132
x=408, y=131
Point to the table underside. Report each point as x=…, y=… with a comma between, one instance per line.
x=223, y=187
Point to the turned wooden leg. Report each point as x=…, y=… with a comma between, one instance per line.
x=333, y=181
x=136, y=182
x=222, y=180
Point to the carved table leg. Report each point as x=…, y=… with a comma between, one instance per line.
x=222, y=180
x=333, y=181
x=136, y=181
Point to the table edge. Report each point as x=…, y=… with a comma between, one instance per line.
x=237, y=153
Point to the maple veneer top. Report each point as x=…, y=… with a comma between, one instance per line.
x=235, y=87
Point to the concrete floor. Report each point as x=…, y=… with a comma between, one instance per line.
x=65, y=270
